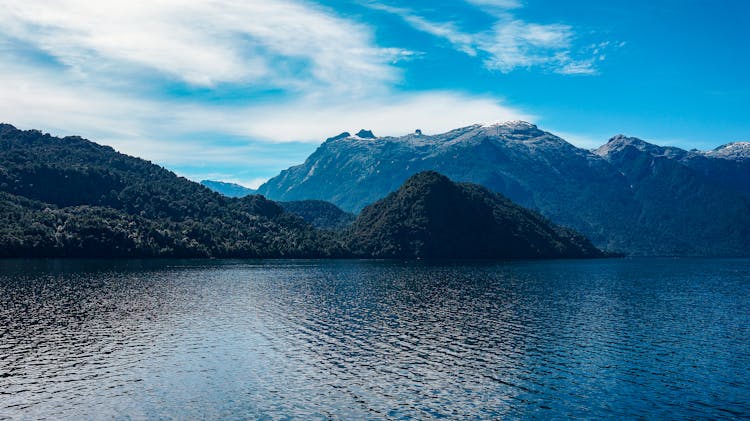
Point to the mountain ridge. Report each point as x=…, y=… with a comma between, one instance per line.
x=571, y=186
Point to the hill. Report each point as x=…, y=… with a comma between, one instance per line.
x=430, y=216
x=72, y=197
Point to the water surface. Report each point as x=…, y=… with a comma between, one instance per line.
x=620, y=338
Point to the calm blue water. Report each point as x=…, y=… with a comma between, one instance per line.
x=604, y=339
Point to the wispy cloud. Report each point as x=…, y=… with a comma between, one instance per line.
x=510, y=43
x=446, y=30
x=496, y=4
x=205, y=43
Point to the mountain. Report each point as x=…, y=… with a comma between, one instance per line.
x=228, y=189
x=737, y=151
x=72, y=197
x=430, y=216
x=691, y=204
x=724, y=166
x=590, y=191
x=320, y=214
x=571, y=186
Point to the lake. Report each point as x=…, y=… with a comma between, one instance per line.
x=603, y=339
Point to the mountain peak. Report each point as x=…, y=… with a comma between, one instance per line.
x=227, y=188
x=620, y=142
x=365, y=134
x=626, y=140
x=514, y=124
x=426, y=178
x=342, y=135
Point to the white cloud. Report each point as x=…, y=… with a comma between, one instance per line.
x=510, y=43
x=498, y=4
x=205, y=42
x=447, y=30
x=515, y=43
x=585, y=67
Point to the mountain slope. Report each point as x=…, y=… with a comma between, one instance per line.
x=585, y=190
x=690, y=205
x=724, y=166
x=228, y=189
x=430, y=216
x=72, y=197
x=736, y=151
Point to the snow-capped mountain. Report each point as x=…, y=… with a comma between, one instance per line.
x=607, y=194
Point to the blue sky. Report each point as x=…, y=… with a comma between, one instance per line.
x=238, y=91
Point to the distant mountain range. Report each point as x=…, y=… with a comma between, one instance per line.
x=628, y=195
x=70, y=197
x=228, y=189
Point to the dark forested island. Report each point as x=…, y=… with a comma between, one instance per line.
x=70, y=197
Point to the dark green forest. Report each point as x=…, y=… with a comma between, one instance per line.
x=432, y=217
x=72, y=197
x=321, y=214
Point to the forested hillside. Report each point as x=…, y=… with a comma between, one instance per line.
x=72, y=197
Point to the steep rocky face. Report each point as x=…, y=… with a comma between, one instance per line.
x=432, y=217
x=724, y=166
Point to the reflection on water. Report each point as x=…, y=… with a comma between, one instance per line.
x=351, y=339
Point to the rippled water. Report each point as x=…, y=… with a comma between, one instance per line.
x=621, y=338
